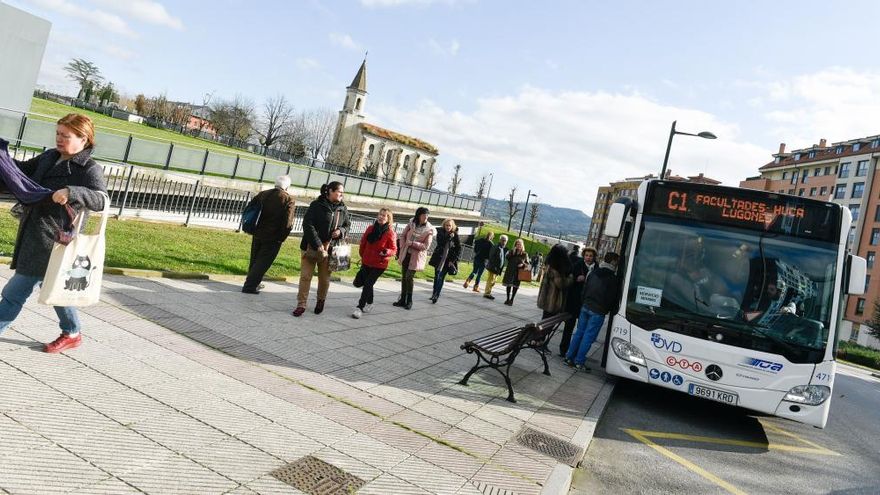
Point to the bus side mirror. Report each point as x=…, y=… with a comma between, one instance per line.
x=614, y=220
x=858, y=269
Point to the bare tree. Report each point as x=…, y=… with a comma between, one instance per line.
x=481, y=187
x=432, y=176
x=533, y=215
x=202, y=116
x=512, y=207
x=234, y=118
x=319, y=126
x=277, y=115
x=140, y=104
x=294, y=142
x=455, y=181
x=388, y=165
x=159, y=108
x=84, y=73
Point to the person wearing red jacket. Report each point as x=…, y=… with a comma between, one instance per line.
x=378, y=246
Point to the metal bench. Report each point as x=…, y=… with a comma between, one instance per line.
x=499, y=350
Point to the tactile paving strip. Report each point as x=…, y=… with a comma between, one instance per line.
x=313, y=476
x=549, y=445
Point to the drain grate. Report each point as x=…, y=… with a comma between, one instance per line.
x=313, y=476
x=549, y=445
x=487, y=489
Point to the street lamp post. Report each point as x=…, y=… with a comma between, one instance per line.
x=672, y=133
x=523, y=222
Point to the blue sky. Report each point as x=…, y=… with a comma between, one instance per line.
x=557, y=96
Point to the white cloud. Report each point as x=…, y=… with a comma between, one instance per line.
x=836, y=103
x=306, y=63
x=96, y=17
x=143, y=10
x=344, y=41
x=119, y=52
x=564, y=145
x=447, y=50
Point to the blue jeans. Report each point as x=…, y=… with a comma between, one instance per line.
x=439, y=279
x=479, y=267
x=15, y=293
x=588, y=327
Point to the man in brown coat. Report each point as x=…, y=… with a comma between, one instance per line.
x=273, y=227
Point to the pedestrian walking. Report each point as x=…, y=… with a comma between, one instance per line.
x=482, y=248
x=517, y=259
x=600, y=292
x=537, y=263
x=273, y=228
x=557, y=279
x=378, y=246
x=326, y=222
x=445, y=257
x=77, y=182
x=413, y=253
x=495, y=264
x=581, y=268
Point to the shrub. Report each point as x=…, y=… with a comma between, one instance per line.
x=859, y=354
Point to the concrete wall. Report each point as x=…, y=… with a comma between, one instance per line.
x=23, y=40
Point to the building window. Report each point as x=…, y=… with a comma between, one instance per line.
x=782, y=191
x=852, y=236
x=804, y=177
x=370, y=151
x=817, y=172
x=875, y=143
x=791, y=191
x=838, y=150
x=823, y=190
x=858, y=190
x=784, y=175
x=862, y=168
x=812, y=191
x=422, y=168
x=854, y=209
x=857, y=146
x=406, y=162
x=794, y=177
x=843, y=171
x=827, y=171
x=860, y=306
x=797, y=156
x=867, y=283
x=870, y=259
x=357, y=106
x=840, y=191
x=875, y=237
x=801, y=191
x=812, y=154
x=388, y=156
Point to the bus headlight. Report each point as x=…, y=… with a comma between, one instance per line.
x=811, y=395
x=628, y=352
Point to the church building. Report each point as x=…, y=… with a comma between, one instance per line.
x=376, y=151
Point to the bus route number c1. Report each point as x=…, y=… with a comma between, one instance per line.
x=677, y=201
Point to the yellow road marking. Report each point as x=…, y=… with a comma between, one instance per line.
x=815, y=449
x=787, y=433
x=639, y=435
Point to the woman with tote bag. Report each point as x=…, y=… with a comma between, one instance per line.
x=78, y=183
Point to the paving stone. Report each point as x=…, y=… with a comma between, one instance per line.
x=20, y=391
x=371, y=451
x=348, y=464
x=116, y=450
x=428, y=476
x=280, y=442
x=28, y=472
x=236, y=460
x=450, y=459
x=15, y=438
x=62, y=421
x=387, y=484
x=110, y=486
x=179, y=433
x=177, y=474
x=398, y=437
x=269, y=485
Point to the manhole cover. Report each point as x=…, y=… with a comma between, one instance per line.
x=315, y=477
x=549, y=445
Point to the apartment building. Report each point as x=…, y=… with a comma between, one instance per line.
x=846, y=173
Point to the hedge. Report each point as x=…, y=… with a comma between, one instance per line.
x=859, y=354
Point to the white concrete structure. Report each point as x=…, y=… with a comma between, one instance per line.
x=23, y=40
x=380, y=152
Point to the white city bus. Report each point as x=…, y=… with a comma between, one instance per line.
x=732, y=295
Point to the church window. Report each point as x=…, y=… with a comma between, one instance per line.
x=370, y=151
x=406, y=163
x=357, y=105
x=422, y=169
x=388, y=157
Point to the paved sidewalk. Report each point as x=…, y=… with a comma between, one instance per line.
x=190, y=386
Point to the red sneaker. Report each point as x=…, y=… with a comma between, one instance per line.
x=63, y=343
x=298, y=311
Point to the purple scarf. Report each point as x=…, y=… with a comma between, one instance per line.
x=16, y=182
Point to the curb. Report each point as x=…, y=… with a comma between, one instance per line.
x=559, y=481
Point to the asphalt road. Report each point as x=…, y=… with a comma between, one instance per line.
x=703, y=447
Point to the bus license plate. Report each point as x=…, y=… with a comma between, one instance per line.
x=713, y=394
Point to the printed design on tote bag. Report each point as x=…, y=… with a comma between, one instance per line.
x=79, y=274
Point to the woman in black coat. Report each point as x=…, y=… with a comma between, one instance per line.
x=445, y=257
x=78, y=182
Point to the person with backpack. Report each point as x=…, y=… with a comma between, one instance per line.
x=276, y=208
x=325, y=222
x=378, y=246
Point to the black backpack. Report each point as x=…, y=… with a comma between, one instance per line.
x=250, y=217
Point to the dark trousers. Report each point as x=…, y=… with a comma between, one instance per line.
x=566, y=334
x=371, y=275
x=406, y=283
x=263, y=254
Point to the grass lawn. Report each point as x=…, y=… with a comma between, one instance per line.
x=123, y=127
x=530, y=245
x=172, y=247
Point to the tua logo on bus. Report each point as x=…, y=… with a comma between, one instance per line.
x=763, y=365
x=661, y=343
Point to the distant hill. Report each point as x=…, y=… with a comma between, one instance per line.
x=552, y=220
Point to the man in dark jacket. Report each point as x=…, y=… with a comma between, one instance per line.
x=600, y=292
x=495, y=264
x=275, y=224
x=482, y=248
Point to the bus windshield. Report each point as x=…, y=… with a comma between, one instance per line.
x=752, y=289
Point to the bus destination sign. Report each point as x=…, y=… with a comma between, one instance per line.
x=743, y=208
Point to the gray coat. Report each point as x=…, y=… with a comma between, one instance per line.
x=36, y=232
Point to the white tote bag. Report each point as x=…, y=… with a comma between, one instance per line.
x=75, y=271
